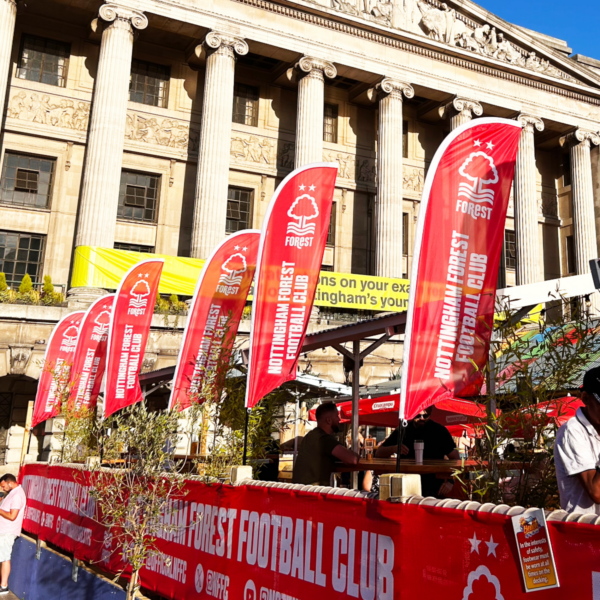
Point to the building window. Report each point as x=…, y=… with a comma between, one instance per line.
x=510, y=249
x=138, y=197
x=26, y=180
x=566, y=168
x=43, y=60
x=331, y=230
x=327, y=268
x=405, y=240
x=239, y=204
x=134, y=248
x=404, y=139
x=149, y=83
x=245, y=104
x=21, y=253
x=330, y=123
x=570, y=254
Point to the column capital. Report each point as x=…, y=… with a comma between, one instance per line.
x=391, y=87
x=530, y=122
x=113, y=13
x=316, y=67
x=461, y=105
x=227, y=43
x=580, y=136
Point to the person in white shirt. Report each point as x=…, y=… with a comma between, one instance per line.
x=12, y=511
x=577, y=452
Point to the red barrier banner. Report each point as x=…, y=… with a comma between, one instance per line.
x=89, y=362
x=459, y=242
x=266, y=543
x=214, y=318
x=58, y=359
x=128, y=333
x=291, y=251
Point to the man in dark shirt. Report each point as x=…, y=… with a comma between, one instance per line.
x=320, y=449
x=438, y=444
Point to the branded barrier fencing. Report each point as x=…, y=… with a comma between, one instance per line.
x=105, y=267
x=277, y=542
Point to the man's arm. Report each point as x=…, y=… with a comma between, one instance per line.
x=591, y=482
x=346, y=456
x=387, y=451
x=10, y=515
x=454, y=455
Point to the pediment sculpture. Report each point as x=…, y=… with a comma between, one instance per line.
x=444, y=24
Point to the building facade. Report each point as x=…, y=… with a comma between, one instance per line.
x=163, y=125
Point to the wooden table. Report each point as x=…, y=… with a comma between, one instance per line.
x=407, y=465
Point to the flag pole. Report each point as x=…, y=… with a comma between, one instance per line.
x=246, y=437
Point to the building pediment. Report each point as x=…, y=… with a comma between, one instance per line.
x=465, y=27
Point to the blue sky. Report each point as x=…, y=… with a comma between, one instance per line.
x=576, y=21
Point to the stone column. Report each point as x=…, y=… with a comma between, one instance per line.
x=526, y=204
x=388, y=203
x=106, y=137
x=584, y=223
x=210, y=204
x=460, y=111
x=311, y=107
x=8, y=16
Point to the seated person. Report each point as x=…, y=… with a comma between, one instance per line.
x=438, y=444
x=320, y=449
x=577, y=452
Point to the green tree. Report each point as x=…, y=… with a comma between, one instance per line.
x=3, y=284
x=48, y=287
x=26, y=285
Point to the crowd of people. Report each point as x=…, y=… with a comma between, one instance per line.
x=576, y=455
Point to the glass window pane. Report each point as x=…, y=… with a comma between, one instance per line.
x=138, y=196
x=17, y=262
x=43, y=60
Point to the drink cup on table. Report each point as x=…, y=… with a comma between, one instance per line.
x=419, y=446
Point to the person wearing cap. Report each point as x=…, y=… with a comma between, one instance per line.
x=438, y=444
x=320, y=449
x=577, y=452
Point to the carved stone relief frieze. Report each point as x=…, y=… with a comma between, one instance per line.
x=347, y=164
x=442, y=23
x=49, y=110
x=19, y=358
x=286, y=155
x=366, y=170
x=548, y=205
x=162, y=132
x=253, y=148
x=413, y=179
x=149, y=362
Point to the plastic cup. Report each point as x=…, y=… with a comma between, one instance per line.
x=419, y=446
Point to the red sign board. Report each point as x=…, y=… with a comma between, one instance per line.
x=214, y=318
x=291, y=251
x=460, y=235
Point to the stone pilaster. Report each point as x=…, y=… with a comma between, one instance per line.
x=582, y=191
x=526, y=204
x=8, y=16
x=210, y=205
x=311, y=106
x=102, y=170
x=460, y=111
x=388, y=203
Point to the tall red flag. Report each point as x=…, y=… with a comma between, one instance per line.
x=291, y=251
x=128, y=333
x=214, y=318
x=58, y=359
x=89, y=362
x=455, y=266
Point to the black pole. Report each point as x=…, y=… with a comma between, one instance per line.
x=401, y=431
x=246, y=437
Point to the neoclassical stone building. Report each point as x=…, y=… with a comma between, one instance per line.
x=163, y=125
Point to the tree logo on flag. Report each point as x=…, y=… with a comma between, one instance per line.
x=139, y=297
x=69, y=341
x=492, y=584
x=299, y=231
x=230, y=280
x=479, y=168
x=100, y=330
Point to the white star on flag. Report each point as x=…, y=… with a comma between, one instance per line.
x=312, y=188
x=139, y=274
x=477, y=143
x=475, y=544
x=490, y=146
x=236, y=247
x=146, y=275
x=302, y=187
x=245, y=249
x=492, y=546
